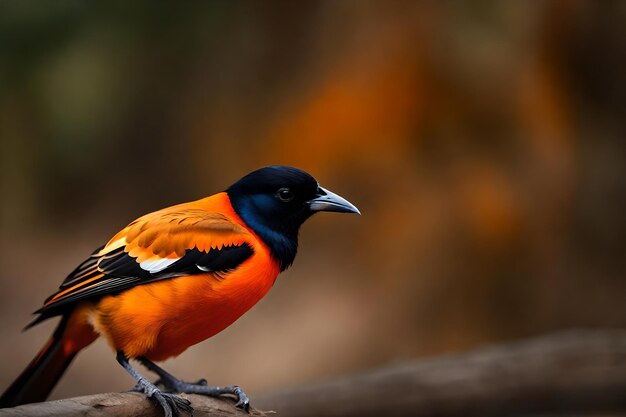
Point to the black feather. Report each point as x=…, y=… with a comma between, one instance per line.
x=121, y=271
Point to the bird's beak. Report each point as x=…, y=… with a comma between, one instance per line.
x=329, y=201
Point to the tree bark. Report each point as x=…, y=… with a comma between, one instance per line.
x=576, y=372
x=124, y=404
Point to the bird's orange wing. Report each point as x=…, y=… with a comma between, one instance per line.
x=177, y=241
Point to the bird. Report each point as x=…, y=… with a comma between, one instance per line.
x=175, y=277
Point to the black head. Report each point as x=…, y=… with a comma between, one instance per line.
x=276, y=200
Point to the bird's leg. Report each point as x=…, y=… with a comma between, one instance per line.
x=172, y=405
x=174, y=384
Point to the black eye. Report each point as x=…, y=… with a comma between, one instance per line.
x=285, y=195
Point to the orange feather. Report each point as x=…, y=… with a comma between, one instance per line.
x=161, y=319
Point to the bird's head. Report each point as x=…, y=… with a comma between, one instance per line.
x=276, y=200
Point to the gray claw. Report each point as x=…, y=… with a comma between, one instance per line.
x=243, y=401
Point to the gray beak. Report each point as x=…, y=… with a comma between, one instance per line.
x=329, y=201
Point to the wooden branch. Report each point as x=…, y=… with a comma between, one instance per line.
x=125, y=404
x=578, y=371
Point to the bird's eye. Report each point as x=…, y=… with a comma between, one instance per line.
x=285, y=195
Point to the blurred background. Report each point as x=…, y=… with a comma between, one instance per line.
x=483, y=142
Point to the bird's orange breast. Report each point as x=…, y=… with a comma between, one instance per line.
x=161, y=319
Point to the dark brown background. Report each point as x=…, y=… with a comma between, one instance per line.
x=483, y=142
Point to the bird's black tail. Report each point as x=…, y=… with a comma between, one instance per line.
x=42, y=374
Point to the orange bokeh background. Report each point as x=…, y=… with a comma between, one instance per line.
x=483, y=143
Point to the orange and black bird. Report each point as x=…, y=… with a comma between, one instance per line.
x=175, y=277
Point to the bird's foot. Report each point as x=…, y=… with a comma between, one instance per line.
x=171, y=404
x=201, y=387
x=175, y=385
